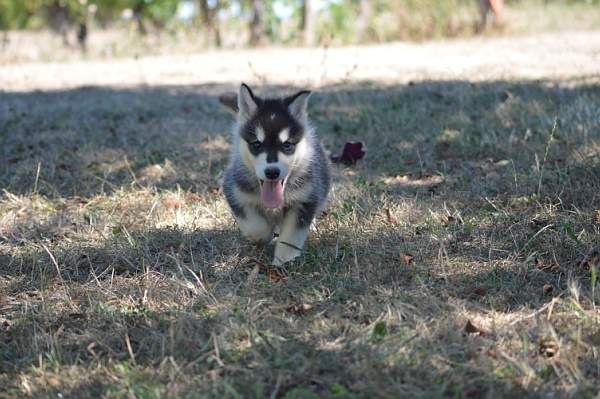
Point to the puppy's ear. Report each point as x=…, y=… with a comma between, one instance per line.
x=297, y=104
x=229, y=101
x=247, y=103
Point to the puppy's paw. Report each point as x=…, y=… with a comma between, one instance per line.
x=284, y=253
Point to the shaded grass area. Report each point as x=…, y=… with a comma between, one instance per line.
x=123, y=275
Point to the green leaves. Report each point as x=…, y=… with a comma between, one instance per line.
x=380, y=331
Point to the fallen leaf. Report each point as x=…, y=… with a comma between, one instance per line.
x=535, y=224
x=172, y=202
x=479, y=291
x=299, y=308
x=547, y=289
x=591, y=259
x=471, y=328
x=491, y=352
x=548, y=347
x=255, y=263
x=546, y=266
x=193, y=197
x=390, y=218
x=352, y=152
x=448, y=220
x=407, y=258
x=275, y=275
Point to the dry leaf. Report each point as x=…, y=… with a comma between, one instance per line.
x=546, y=266
x=193, y=197
x=299, y=308
x=255, y=263
x=591, y=259
x=548, y=347
x=547, y=289
x=276, y=275
x=448, y=220
x=172, y=202
x=479, y=291
x=407, y=258
x=491, y=352
x=471, y=328
x=390, y=218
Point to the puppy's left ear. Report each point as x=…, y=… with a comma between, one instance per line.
x=297, y=104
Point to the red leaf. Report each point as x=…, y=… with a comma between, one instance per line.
x=408, y=258
x=276, y=275
x=353, y=151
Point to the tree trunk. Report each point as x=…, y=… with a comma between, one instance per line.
x=364, y=17
x=210, y=23
x=138, y=11
x=487, y=7
x=82, y=34
x=307, y=24
x=257, y=23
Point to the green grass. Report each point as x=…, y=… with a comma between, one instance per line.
x=123, y=275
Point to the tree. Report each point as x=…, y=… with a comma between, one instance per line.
x=307, y=23
x=210, y=21
x=257, y=23
x=364, y=19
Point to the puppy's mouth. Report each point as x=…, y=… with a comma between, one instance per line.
x=271, y=193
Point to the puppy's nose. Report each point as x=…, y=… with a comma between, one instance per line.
x=272, y=173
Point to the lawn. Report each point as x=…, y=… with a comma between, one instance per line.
x=458, y=259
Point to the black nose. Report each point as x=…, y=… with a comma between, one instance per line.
x=272, y=173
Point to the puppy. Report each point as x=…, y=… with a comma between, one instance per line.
x=278, y=176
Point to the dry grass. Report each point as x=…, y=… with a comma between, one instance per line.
x=123, y=275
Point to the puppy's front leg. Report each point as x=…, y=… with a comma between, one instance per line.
x=294, y=231
x=254, y=226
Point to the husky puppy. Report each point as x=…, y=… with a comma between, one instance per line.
x=278, y=176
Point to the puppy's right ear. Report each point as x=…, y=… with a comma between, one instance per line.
x=247, y=103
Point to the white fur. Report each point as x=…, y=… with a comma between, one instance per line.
x=284, y=135
x=290, y=234
x=255, y=227
x=260, y=134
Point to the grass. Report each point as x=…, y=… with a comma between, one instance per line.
x=455, y=260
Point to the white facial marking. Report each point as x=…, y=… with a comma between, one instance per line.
x=272, y=116
x=284, y=135
x=260, y=134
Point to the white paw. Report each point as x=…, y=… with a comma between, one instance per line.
x=284, y=253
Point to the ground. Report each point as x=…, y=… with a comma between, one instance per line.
x=458, y=259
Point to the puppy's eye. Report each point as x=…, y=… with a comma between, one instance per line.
x=255, y=145
x=288, y=147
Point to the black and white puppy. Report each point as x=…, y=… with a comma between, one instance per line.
x=278, y=176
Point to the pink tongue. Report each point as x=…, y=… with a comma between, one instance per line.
x=271, y=194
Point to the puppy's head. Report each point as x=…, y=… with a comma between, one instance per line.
x=272, y=133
